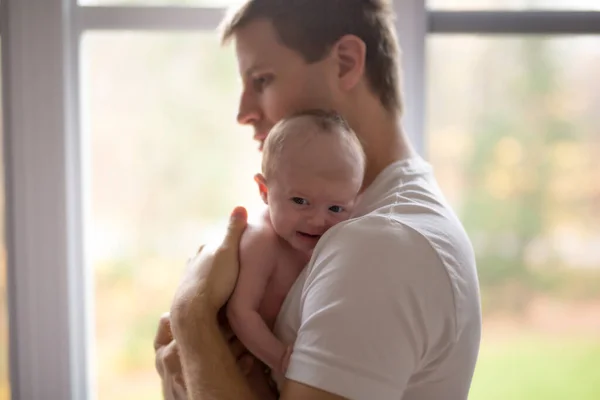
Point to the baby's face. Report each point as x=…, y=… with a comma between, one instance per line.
x=310, y=193
x=304, y=207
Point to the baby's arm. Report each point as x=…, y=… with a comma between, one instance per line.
x=258, y=249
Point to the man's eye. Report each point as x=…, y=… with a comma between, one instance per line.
x=299, y=200
x=260, y=82
x=336, y=209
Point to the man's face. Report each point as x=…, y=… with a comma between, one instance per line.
x=277, y=82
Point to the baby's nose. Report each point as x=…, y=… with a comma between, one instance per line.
x=319, y=222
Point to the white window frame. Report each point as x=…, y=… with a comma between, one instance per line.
x=50, y=309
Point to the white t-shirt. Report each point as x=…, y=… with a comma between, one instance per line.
x=388, y=307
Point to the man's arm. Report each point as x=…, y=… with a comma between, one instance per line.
x=209, y=368
x=168, y=363
x=211, y=373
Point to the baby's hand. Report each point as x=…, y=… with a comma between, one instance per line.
x=285, y=361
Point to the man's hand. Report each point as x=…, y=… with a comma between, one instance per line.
x=168, y=363
x=208, y=282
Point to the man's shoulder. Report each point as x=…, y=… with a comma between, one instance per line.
x=373, y=229
x=406, y=246
x=378, y=256
x=383, y=238
x=417, y=226
x=422, y=247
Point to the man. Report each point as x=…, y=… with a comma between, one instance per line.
x=388, y=307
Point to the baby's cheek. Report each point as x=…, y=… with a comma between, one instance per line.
x=287, y=220
x=282, y=218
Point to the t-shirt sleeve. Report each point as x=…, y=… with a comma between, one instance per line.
x=367, y=317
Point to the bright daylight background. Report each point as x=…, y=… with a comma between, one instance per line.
x=512, y=130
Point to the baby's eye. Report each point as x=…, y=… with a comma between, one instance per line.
x=336, y=209
x=300, y=201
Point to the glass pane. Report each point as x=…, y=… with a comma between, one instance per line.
x=4, y=347
x=143, y=3
x=513, y=134
x=168, y=164
x=514, y=4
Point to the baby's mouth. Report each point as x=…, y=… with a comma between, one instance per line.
x=308, y=235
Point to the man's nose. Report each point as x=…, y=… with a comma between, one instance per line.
x=249, y=111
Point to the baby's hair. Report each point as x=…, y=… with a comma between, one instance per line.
x=325, y=122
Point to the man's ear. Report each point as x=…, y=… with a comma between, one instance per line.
x=350, y=54
x=262, y=187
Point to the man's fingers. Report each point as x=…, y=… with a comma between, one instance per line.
x=189, y=260
x=237, y=224
x=246, y=363
x=164, y=336
x=237, y=348
x=174, y=388
x=168, y=365
x=171, y=360
x=179, y=388
x=179, y=381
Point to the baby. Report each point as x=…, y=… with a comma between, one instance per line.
x=312, y=171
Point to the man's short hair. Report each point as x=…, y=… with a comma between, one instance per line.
x=311, y=27
x=324, y=122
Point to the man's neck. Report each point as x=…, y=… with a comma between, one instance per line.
x=383, y=137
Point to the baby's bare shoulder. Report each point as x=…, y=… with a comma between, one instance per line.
x=259, y=242
x=261, y=234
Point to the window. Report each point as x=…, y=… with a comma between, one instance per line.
x=512, y=132
x=168, y=163
x=189, y=3
x=514, y=4
x=121, y=108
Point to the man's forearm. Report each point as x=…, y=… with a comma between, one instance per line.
x=210, y=370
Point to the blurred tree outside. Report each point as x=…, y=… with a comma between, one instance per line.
x=530, y=175
x=513, y=136
x=168, y=164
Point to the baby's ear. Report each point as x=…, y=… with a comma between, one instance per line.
x=262, y=187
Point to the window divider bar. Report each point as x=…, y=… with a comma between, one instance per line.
x=46, y=321
x=148, y=18
x=514, y=22
x=411, y=28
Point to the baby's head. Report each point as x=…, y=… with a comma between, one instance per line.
x=312, y=170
